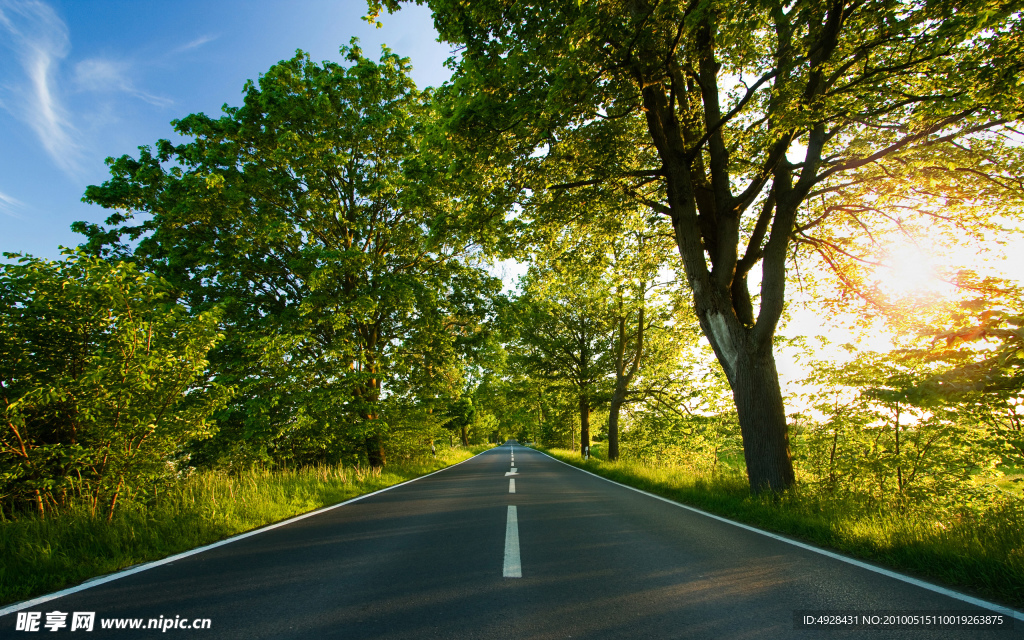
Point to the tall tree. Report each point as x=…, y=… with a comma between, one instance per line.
x=564, y=335
x=649, y=324
x=307, y=213
x=743, y=110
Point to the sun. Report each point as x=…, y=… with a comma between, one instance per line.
x=913, y=272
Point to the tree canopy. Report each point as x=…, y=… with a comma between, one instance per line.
x=733, y=122
x=306, y=214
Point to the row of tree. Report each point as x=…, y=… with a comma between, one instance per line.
x=755, y=129
x=317, y=252
x=299, y=229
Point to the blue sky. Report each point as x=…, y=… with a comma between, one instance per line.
x=83, y=80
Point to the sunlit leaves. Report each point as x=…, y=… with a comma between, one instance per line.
x=885, y=431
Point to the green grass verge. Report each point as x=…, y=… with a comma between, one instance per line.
x=978, y=551
x=39, y=556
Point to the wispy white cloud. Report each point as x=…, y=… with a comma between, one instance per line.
x=39, y=40
x=102, y=75
x=97, y=74
x=195, y=44
x=9, y=206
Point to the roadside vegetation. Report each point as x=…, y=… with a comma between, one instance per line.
x=43, y=554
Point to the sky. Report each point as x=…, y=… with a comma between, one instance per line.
x=84, y=80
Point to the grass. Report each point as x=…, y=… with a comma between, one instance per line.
x=1012, y=481
x=39, y=555
x=978, y=550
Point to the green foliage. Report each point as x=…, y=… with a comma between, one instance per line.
x=562, y=332
x=981, y=367
x=508, y=404
x=597, y=323
x=747, y=126
x=888, y=433
x=102, y=382
x=308, y=215
x=694, y=443
x=462, y=415
x=561, y=424
x=486, y=428
x=410, y=428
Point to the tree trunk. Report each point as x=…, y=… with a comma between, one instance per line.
x=584, y=423
x=899, y=467
x=618, y=397
x=755, y=388
x=623, y=378
x=706, y=220
x=465, y=436
x=375, y=451
x=374, y=443
x=113, y=499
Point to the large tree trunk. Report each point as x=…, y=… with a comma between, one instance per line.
x=763, y=425
x=465, y=436
x=584, y=423
x=706, y=216
x=749, y=364
x=745, y=354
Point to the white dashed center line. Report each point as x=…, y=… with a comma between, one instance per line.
x=511, y=485
x=513, y=566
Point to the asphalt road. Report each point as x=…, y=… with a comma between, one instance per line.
x=436, y=558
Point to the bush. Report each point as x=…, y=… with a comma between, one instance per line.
x=101, y=382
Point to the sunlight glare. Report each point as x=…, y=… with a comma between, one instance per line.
x=910, y=272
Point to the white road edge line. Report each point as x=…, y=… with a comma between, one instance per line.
x=95, y=582
x=513, y=567
x=511, y=485
x=978, y=602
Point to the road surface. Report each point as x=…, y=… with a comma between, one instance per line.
x=510, y=544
